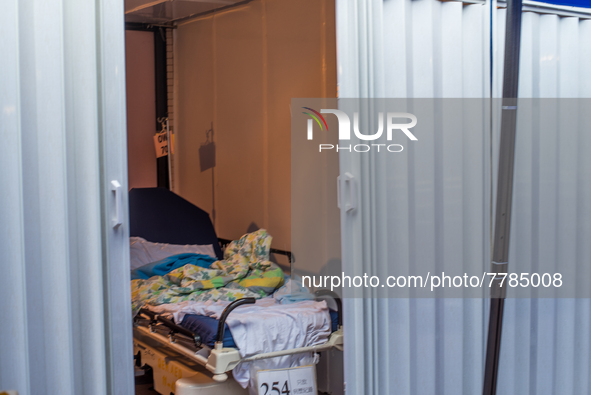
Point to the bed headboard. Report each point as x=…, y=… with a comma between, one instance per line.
x=159, y=215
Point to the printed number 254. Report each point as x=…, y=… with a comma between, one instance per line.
x=275, y=389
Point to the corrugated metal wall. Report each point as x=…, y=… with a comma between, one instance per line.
x=64, y=284
x=421, y=49
x=432, y=49
x=546, y=342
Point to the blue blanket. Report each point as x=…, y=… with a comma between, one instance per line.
x=167, y=265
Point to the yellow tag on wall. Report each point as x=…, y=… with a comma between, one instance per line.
x=161, y=144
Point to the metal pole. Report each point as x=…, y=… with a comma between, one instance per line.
x=169, y=156
x=500, y=255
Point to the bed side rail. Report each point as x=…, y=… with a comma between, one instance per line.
x=227, y=311
x=174, y=328
x=148, y=313
x=288, y=254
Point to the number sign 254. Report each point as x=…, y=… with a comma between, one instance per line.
x=293, y=381
x=275, y=389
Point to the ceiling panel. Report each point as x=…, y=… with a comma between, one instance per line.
x=167, y=11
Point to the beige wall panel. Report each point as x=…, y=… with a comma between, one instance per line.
x=239, y=121
x=141, y=108
x=195, y=92
x=240, y=68
x=301, y=62
x=315, y=225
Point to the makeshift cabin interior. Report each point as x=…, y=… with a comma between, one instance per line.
x=209, y=89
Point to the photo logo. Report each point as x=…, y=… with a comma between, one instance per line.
x=345, y=129
x=310, y=124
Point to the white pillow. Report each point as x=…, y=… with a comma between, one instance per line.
x=143, y=252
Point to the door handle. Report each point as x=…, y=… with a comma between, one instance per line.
x=116, y=189
x=351, y=190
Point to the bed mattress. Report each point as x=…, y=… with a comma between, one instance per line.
x=207, y=328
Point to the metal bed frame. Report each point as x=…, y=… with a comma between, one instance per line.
x=220, y=359
x=178, y=352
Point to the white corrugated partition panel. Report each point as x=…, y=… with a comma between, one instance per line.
x=430, y=208
x=442, y=212
x=64, y=328
x=546, y=343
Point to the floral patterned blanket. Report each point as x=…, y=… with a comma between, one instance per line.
x=245, y=272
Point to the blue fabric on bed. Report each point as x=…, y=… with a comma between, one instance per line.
x=293, y=291
x=167, y=265
x=207, y=328
x=334, y=320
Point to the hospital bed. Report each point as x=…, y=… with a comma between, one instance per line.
x=196, y=356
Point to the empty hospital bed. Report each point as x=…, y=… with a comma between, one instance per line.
x=196, y=353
